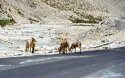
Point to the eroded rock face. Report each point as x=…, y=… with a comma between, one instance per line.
x=40, y=11
x=57, y=11
x=30, y=11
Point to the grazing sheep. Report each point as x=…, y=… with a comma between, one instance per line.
x=32, y=45
x=60, y=50
x=74, y=46
x=64, y=46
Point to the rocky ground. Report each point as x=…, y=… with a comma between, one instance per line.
x=48, y=12
x=49, y=20
x=94, y=37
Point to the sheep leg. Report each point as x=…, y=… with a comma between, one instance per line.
x=80, y=48
x=75, y=50
x=64, y=51
x=32, y=50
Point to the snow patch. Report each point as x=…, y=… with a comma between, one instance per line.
x=4, y=65
x=12, y=38
x=106, y=73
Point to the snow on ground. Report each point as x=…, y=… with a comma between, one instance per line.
x=12, y=38
x=114, y=71
x=105, y=73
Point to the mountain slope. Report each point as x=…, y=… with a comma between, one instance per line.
x=29, y=11
x=115, y=7
x=46, y=11
x=59, y=11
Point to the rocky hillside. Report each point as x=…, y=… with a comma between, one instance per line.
x=109, y=33
x=60, y=11
x=115, y=7
x=49, y=11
